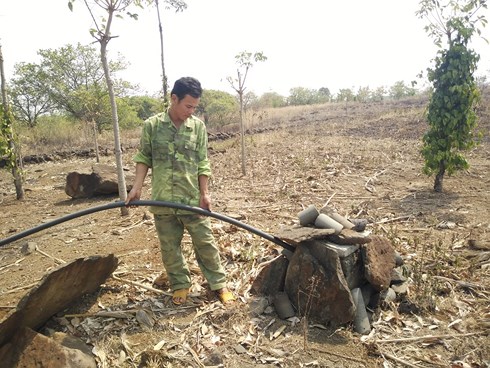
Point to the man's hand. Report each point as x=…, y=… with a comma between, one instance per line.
x=205, y=202
x=133, y=195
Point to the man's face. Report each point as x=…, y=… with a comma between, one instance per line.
x=184, y=108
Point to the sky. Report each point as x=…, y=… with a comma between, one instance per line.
x=314, y=44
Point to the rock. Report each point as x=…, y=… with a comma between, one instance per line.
x=398, y=259
x=359, y=224
x=69, y=341
x=298, y=234
x=388, y=295
x=400, y=288
x=352, y=267
x=31, y=349
x=257, y=305
x=342, y=250
x=379, y=262
x=271, y=278
x=215, y=359
x=349, y=237
x=283, y=305
x=56, y=291
x=315, y=283
x=239, y=349
x=397, y=276
x=369, y=295
x=28, y=247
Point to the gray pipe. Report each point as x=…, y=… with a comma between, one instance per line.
x=118, y=204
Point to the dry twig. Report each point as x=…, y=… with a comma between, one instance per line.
x=158, y=291
x=430, y=337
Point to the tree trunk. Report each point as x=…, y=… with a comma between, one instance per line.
x=242, y=135
x=15, y=158
x=439, y=177
x=115, y=120
x=164, y=76
x=96, y=143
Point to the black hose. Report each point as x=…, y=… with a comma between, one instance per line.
x=179, y=206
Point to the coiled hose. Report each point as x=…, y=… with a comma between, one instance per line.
x=119, y=204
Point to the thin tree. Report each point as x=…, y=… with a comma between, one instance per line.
x=451, y=112
x=102, y=33
x=245, y=60
x=179, y=6
x=7, y=138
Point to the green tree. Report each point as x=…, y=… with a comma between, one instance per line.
x=324, y=94
x=218, y=108
x=66, y=81
x=28, y=93
x=245, y=60
x=270, y=99
x=345, y=95
x=378, y=94
x=304, y=96
x=69, y=72
x=144, y=106
x=8, y=147
x=363, y=94
x=400, y=90
x=451, y=112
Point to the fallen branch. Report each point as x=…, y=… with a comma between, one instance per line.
x=329, y=199
x=21, y=288
x=49, y=256
x=337, y=354
x=194, y=355
x=393, y=219
x=16, y=263
x=431, y=337
x=106, y=314
x=462, y=284
x=371, y=188
x=401, y=361
x=158, y=291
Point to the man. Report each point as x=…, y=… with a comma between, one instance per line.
x=174, y=145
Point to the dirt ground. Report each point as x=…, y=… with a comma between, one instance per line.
x=363, y=160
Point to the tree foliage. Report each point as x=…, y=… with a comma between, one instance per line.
x=28, y=93
x=451, y=113
x=218, y=108
x=270, y=99
x=400, y=90
x=8, y=147
x=68, y=80
x=307, y=96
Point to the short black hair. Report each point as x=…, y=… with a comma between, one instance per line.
x=187, y=86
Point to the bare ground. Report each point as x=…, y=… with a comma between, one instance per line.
x=361, y=159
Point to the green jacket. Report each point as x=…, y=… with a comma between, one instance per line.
x=176, y=158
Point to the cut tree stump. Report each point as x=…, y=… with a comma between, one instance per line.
x=102, y=181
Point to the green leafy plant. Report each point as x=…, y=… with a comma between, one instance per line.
x=451, y=112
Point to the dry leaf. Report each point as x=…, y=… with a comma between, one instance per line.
x=144, y=319
x=159, y=345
